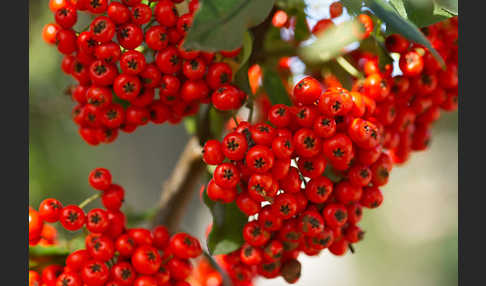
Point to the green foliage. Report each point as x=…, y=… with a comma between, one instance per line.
x=398, y=24
x=353, y=6
x=302, y=31
x=274, y=87
x=241, y=76
x=220, y=24
x=226, y=232
x=375, y=46
x=421, y=13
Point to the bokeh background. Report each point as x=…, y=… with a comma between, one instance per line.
x=410, y=240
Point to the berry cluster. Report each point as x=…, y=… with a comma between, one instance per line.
x=304, y=176
x=114, y=255
x=131, y=67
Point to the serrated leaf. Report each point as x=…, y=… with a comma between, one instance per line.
x=241, y=76
x=227, y=230
x=331, y=43
x=397, y=24
x=353, y=6
x=274, y=87
x=221, y=24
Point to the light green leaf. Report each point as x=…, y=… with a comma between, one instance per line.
x=221, y=24
x=330, y=43
x=450, y=6
x=190, y=124
x=400, y=7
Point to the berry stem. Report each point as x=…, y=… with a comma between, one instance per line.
x=235, y=119
x=250, y=106
x=215, y=265
x=348, y=67
x=89, y=200
x=149, y=24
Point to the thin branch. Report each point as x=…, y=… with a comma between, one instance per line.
x=178, y=189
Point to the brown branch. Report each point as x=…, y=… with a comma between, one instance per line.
x=178, y=189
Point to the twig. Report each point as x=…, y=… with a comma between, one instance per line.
x=178, y=189
x=89, y=200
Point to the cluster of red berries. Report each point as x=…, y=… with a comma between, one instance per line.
x=131, y=67
x=114, y=255
x=304, y=176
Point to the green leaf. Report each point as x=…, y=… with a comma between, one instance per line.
x=227, y=231
x=373, y=45
x=48, y=250
x=221, y=24
x=398, y=24
x=274, y=87
x=241, y=76
x=450, y=6
x=330, y=43
x=353, y=6
x=400, y=7
x=217, y=120
x=421, y=12
x=190, y=124
x=301, y=31
x=273, y=43
x=120, y=101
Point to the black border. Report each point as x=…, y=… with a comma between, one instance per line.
x=472, y=158
x=14, y=117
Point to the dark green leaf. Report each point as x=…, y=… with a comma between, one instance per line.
x=120, y=101
x=290, y=4
x=274, y=87
x=331, y=43
x=397, y=24
x=220, y=24
x=273, y=43
x=373, y=45
x=353, y=6
x=217, y=120
x=302, y=31
x=228, y=222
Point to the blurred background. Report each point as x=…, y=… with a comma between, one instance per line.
x=410, y=240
